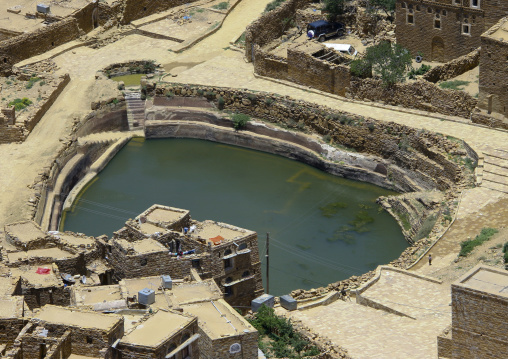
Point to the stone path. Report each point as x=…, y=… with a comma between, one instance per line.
x=375, y=334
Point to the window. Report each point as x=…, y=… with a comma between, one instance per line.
x=403, y=5
x=144, y=261
x=228, y=263
x=242, y=246
x=228, y=280
x=245, y=274
x=89, y=340
x=475, y=3
x=418, y=8
x=429, y=10
x=437, y=21
x=228, y=291
x=410, y=19
x=228, y=252
x=444, y=12
x=466, y=29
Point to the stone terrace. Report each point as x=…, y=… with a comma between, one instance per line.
x=372, y=333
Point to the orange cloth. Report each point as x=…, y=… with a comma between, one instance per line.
x=217, y=240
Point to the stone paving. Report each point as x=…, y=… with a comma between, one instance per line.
x=375, y=334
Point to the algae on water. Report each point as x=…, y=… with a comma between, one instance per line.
x=331, y=209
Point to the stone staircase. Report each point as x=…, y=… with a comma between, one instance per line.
x=135, y=109
x=493, y=169
x=108, y=137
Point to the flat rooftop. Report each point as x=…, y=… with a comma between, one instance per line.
x=75, y=239
x=165, y=214
x=147, y=245
x=11, y=307
x=215, y=324
x=55, y=253
x=25, y=232
x=183, y=293
x=77, y=318
x=157, y=329
x=134, y=285
x=501, y=33
x=486, y=279
x=7, y=285
x=211, y=229
x=94, y=295
x=29, y=274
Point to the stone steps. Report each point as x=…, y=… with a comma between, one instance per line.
x=135, y=109
x=105, y=137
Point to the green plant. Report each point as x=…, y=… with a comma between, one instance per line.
x=371, y=126
x=240, y=121
x=333, y=8
x=221, y=6
x=269, y=101
x=241, y=40
x=327, y=138
x=453, y=85
x=284, y=341
x=253, y=98
x=42, y=83
x=418, y=72
x=210, y=95
x=273, y=5
x=8, y=82
x=505, y=248
x=467, y=247
x=115, y=101
x=200, y=92
x=388, y=6
x=388, y=61
x=31, y=82
x=404, y=144
x=426, y=227
x=220, y=103
x=20, y=104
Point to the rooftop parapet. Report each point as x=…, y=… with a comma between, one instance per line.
x=490, y=280
x=24, y=235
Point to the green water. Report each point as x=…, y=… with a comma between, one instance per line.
x=129, y=80
x=322, y=228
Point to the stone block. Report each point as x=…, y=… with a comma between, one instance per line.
x=266, y=299
x=288, y=302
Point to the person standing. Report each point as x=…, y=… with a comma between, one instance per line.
x=430, y=259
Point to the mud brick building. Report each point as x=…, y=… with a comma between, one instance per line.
x=166, y=334
x=446, y=29
x=90, y=332
x=479, y=311
x=164, y=240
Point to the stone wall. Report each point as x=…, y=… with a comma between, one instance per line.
x=425, y=160
x=437, y=44
x=9, y=330
x=269, y=65
x=479, y=326
x=37, y=42
x=305, y=69
x=420, y=95
x=136, y=9
x=453, y=68
x=147, y=264
x=269, y=26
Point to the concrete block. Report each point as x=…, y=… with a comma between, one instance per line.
x=266, y=299
x=288, y=302
x=43, y=8
x=146, y=296
x=167, y=282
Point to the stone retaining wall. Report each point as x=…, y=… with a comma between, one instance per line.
x=418, y=152
x=420, y=95
x=269, y=26
x=453, y=68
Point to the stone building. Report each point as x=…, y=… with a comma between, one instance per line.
x=90, y=332
x=493, y=95
x=446, y=29
x=164, y=240
x=166, y=334
x=479, y=326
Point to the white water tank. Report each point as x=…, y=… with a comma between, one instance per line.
x=146, y=296
x=167, y=282
x=43, y=8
